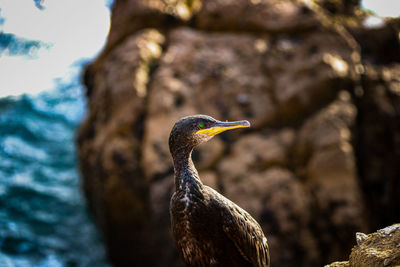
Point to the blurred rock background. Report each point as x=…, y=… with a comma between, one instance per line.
x=318, y=82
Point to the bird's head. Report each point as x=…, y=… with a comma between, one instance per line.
x=191, y=131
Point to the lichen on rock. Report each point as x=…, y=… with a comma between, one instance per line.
x=381, y=248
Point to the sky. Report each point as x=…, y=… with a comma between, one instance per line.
x=65, y=32
x=383, y=8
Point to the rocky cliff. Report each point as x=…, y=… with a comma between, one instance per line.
x=320, y=87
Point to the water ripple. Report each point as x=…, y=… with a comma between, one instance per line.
x=43, y=216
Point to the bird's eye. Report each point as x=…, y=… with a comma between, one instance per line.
x=202, y=125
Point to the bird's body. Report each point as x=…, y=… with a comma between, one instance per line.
x=209, y=229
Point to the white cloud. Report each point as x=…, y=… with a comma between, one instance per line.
x=75, y=29
x=383, y=8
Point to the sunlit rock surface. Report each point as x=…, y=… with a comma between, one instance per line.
x=381, y=248
x=319, y=160
x=378, y=249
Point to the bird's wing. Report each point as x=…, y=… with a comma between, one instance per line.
x=247, y=235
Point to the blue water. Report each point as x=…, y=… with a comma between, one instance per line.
x=43, y=215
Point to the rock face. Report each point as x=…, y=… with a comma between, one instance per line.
x=381, y=248
x=321, y=159
x=378, y=249
x=377, y=143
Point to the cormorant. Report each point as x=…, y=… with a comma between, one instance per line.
x=209, y=229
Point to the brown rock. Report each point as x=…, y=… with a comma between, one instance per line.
x=210, y=178
x=377, y=143
x=271, y=194
x=377, y=129
x=205, y=81
x=257, y=152
x=381, y=248
x=129, y=16
x=378, y=249
x=284, y=213
x=338, y=264
x=109, y=142
x=307, y=72
x=324, y=149
x=282, y=65
x=261, y=15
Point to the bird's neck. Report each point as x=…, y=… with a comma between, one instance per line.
x=186, y=175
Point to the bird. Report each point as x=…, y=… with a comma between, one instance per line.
x=208, y=228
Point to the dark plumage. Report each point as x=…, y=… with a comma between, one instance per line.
x=209, y=229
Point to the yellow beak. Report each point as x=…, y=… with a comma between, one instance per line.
x=220, y=127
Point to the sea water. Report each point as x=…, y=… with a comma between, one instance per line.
x=44, y=220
